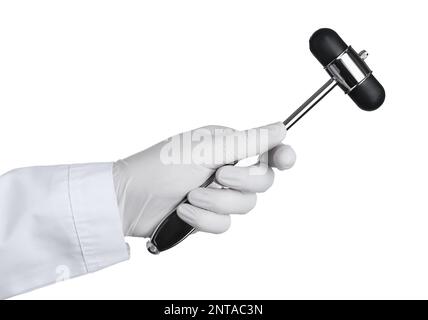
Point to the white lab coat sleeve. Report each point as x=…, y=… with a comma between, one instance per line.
x=57, y=222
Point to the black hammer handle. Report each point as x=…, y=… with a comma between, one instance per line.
x=172, y=230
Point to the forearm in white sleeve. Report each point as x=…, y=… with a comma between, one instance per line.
x=57, y=222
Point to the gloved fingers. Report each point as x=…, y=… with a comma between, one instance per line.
x=223, y=201
x=256, y=178
x=203, y=220
x=215, y=185
x=254, y=141
x=281, y=157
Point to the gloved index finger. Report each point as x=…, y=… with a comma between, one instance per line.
x=248, y=143
x=281, y=157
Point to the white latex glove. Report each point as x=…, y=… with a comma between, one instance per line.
x=149, y=186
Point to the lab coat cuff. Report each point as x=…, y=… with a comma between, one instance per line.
x=96, y=215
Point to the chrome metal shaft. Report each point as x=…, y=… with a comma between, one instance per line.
x=310, y=103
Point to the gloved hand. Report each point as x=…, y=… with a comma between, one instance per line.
x=150, y=184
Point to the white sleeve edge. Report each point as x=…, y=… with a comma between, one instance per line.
x=96, y=215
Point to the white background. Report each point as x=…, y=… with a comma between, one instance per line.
x=86, y=81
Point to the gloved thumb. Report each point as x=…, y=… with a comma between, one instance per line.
x=248, y=143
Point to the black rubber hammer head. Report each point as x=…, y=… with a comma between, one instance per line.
x=347, y=68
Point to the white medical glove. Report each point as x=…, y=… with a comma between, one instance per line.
x=150, y=184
